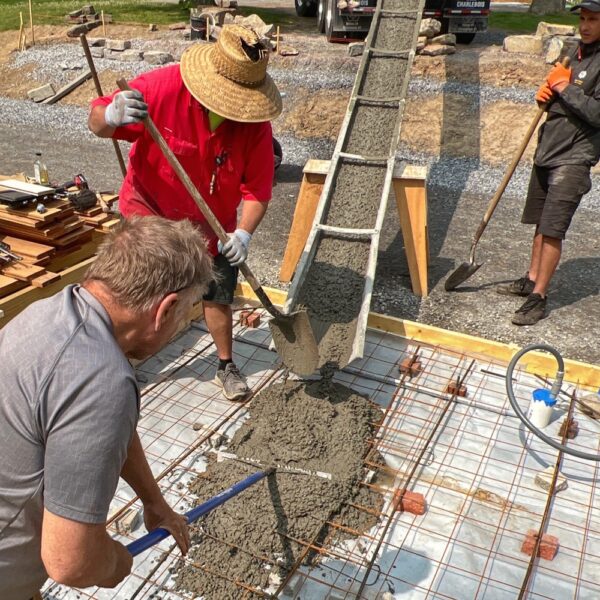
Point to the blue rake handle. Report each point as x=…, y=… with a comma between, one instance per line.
x=156, y=535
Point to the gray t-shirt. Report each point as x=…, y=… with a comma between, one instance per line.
x=69, y=405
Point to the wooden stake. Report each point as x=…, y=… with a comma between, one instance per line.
x=103, y=23
x=31, y=21
x=207, y=28
x=20, y=46
x=277, y=42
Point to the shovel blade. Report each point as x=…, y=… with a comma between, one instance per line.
x=295, y=342
x=460, y=275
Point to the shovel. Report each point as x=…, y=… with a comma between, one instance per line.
x=467, y=269
x=292, y=333
x=156, y=535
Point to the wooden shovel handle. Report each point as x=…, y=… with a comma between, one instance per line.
x=512, y=167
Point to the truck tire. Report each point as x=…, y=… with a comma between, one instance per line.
x=330, y=7
x=306, y=8
x=465, y=38
x=321, y=15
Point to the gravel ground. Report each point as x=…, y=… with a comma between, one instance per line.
x=459, y=190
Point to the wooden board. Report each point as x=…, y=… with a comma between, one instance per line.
x=46, y=279
x=27, y=249
x=8, y=285
x=13, y=304
x=28, y=188
x=20, y=271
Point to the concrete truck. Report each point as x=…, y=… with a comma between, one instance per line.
x=341, y=20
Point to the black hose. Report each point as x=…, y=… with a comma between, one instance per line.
x=553, y=392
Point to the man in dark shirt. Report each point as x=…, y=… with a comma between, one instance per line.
x=568, y=146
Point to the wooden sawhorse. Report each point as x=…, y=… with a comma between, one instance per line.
x=410, y=189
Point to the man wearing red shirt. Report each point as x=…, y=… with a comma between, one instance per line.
x=214, y=110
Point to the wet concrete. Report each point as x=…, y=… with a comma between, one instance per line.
x=395, y=32
x=371, y=129
x=356, y=196
x=384, y=77
x=332, y=294
x=317, y=426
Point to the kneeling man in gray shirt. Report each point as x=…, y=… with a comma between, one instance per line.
x=69, y=406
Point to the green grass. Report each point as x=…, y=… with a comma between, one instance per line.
x=526, y=23
x=52, y=12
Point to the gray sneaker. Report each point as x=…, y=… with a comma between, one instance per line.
x=233, y=382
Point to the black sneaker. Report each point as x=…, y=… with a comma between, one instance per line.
x=519, y=287
x=533, y=309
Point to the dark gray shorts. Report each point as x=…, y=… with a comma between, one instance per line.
x=222, y=290
x=553, y=197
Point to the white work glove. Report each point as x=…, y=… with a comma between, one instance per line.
x=127, y=107
x=236, y=249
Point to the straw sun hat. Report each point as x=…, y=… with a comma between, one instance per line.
x=230, y=77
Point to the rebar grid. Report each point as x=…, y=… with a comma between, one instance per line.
x=475, y=468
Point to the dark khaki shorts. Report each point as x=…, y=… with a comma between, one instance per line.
x=222, y=290
x=553, y=197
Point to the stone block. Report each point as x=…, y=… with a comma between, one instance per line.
x=446, y=39
x=152, y=27
x=76, y=31
x=410, y=366
x=177, y=26
x=525, y=44
x=97, y=52
x=41, y=93
x=131, y=55
x=100, y=41
x=548, y=546
x=157, y=57
x=437, y=50
x=430, y=27
x=356, y=48
x=544, y=28
x=88, y=9
x=410, y=502
x=119, y=45
x=75, y=14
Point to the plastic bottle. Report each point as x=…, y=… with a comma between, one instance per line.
x=40, y=170
x=541, y=408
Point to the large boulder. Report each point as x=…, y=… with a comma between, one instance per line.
x=544, y=28
x=430, y=27
x=526, y=44
x=446, y=39
x=560, y=46
x=437, y=50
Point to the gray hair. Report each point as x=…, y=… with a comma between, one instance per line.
x=145, y=258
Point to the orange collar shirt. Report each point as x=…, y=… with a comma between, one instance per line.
x=231, y=164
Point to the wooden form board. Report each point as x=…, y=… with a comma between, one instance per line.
x=537, y=363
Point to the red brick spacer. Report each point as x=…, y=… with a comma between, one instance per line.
x=244, y=317
x=454, y=389
x=253, y=320
x=572, y=428
x=548, y=547
x=410, y=367
x=410, y=502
